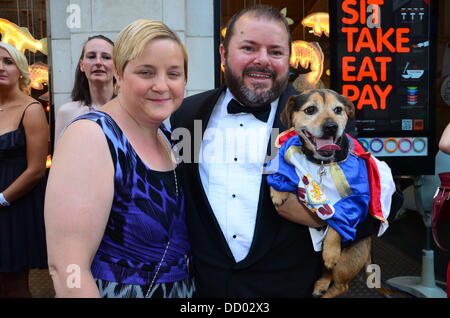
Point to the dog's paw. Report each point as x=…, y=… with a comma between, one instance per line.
x=320, y=287
x=331, y=248
x=317, y=294
x=278, y=198
x=331, y=257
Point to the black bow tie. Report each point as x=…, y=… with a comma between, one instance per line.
x=260, y=112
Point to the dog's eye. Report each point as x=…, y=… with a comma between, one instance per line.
x=311, y=110
x=338, y=110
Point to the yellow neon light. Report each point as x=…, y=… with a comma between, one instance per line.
x=319, y=22
x=307, y=55
x=38, y=75
x=48, y=162
x=21, y=38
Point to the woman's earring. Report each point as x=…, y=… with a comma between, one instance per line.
x=116, y=89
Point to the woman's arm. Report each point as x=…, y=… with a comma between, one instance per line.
x=78, y=201
x=36, y=133
x=294, y=211
x=444, y=142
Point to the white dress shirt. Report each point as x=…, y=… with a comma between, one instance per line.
x=231, y=161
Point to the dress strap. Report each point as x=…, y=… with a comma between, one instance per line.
x=23, y=114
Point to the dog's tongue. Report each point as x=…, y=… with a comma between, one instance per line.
x=326, y=144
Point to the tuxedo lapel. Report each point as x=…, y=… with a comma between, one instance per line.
x=267, y=219
x=204, y=110
x=207, y=108
x=281, y=104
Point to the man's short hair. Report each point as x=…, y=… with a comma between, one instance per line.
x=258, y=11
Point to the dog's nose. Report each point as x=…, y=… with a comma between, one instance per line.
x=330, y=129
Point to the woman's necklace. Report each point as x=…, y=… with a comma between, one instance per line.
x=3, y=107
x=169, y=152
x=176, y=183
x=157, y=270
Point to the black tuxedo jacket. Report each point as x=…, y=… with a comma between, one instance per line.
x=281, y=261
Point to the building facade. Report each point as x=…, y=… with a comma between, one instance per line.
x=71, y=22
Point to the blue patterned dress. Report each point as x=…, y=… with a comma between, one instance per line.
x=146, y=215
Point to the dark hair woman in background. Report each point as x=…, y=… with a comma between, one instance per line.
x=94, y=82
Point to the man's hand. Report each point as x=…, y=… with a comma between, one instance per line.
x=296, y=212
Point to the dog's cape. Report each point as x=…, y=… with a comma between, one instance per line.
x=350, y=189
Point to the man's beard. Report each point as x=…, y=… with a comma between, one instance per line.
x=250, y=96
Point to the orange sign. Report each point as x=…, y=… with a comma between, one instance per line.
x=375, y=40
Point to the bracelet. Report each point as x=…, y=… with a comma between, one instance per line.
x=372, y=142
x=394, y=141
x=416, y=141
x=407, y=140
x=3, y=201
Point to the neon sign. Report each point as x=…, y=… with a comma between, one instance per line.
x=307, y=55
x=21, y=38
x=369, y=39
x=382, y=60
x=38, y=75
x=319, y=22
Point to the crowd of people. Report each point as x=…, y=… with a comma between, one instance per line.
x=133, y=220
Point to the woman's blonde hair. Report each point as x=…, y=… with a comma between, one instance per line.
x=132, y=40
x=22, y=64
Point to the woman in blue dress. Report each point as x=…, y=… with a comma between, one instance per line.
x=114, y=207
x=24, y=137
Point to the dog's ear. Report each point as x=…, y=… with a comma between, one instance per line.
x=349, y=107
x=285, y=115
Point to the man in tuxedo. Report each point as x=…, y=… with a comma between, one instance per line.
x=241, y=245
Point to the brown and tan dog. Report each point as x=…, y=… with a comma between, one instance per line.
x=319, y=117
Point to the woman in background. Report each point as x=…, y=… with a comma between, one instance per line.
x=94, y=82
x=23, y=151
